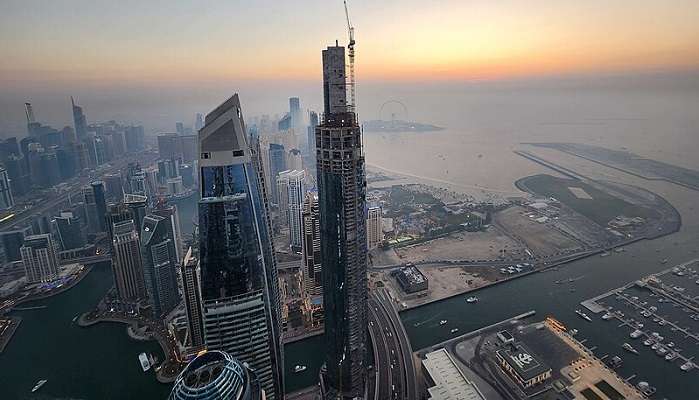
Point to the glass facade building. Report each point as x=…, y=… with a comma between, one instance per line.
x=238, y=271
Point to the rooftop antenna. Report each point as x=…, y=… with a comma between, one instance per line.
x=350, y=47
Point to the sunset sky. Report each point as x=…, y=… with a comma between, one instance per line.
x=204, y=41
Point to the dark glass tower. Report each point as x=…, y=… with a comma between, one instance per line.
x=238, y=270
x=343, y=246
x=159, y=255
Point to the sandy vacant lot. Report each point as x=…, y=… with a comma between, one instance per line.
x=462, y=246
x=542, y=239
x=443, y=282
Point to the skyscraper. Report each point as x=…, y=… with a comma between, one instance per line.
x=295, y=113
x=189, y=274
x=79, y=121
x=68, y=231
x=100, y=204
x=159, y=263
x=93, y=223
x=311, y=134
x=6, y=198
x=342, y=200
x=311, y=245
x=127, y=264
x=373, y=227
x=215, y=375
x=238, y=269
x=39, y=258
x=292, y=190
x=277, y=164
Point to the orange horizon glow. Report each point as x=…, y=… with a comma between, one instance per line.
x=396, y=41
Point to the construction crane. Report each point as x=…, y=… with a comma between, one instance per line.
x=351, y=105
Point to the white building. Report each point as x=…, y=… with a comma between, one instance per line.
x=374, y=231
x=292, y=191
x=39, y=258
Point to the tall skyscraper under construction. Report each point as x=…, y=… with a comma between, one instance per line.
x=342, y=198
x=239, y=289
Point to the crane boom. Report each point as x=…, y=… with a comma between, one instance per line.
x=350, y=47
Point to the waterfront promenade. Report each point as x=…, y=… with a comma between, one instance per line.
x=141, y=328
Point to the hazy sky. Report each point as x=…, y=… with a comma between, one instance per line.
x=88, y=45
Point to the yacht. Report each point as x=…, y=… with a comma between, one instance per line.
x=648, y=342
x=454, y=330
x=442, y=322
x=607, y=316
x=583, y=315
x=299, y=368
x=629, y=348
x=636, y=334
x=472, y=299
x=145, y=364
x=39, y=385
x=671, y=356
x=687, y=366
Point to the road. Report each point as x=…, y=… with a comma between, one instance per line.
x=394, y=356
x=76, y=184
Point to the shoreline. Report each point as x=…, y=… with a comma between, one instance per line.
x=131, y=326
x=63, y=289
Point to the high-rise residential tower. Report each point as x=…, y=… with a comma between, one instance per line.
x=291, y=186
x=79, y=121
x=68, y=231
x=373, y=227
x=238, y=270
x=159, y=256
x=277, y=164
x=342, y=201
x=39, y=258
x=127, y=264
x=191, y=293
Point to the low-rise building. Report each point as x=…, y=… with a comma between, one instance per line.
x=410, y=279
x=445, y=380
x=523, y=365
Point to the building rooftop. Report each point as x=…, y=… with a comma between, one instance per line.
x=523, y=361
x=450, y=383
x=413, y=274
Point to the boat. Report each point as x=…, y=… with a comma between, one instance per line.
x=472, y=299
x=664, y=261
x=75, y=318
x=629, y=348
x=661, y=351
x=655, y=346
x=648, y=342
x=605, y=254
x=454, y=330
x=670, y=356
x=39, y=385
x=583, y=315
x=607, y=316
x=645, y=388
x=688, y=366
x=615, y=362
x=145, y=364
x=299, y=368
x=573, y=332
x=636, y=334
x=442, y=322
